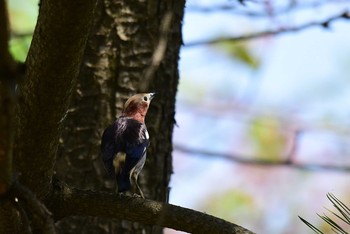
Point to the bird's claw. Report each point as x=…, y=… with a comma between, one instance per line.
x=128, y=194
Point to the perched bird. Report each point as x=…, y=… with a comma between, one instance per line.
x=124, y=143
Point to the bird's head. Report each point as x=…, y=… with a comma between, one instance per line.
x=136, y=106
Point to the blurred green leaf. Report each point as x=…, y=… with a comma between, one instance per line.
x=240, y=52
x=19, y=47
x=229, y=203
x=23, y=16
x=268, y=137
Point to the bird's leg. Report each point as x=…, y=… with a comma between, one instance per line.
x=134, y=178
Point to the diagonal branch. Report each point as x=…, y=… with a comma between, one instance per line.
x=52, y=67
x=67, y=201
x=324, y=23
x=22, y=196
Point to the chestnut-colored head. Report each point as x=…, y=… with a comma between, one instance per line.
x=136, y=106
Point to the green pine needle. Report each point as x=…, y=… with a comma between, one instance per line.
x=313, y=228
x=343, y=215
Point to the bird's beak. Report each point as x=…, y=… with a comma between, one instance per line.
x=151, y=95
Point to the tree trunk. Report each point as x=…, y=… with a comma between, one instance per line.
x=125, y=36
x=47, y=87
x=119, y=50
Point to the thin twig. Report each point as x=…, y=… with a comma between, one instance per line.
x=234, y=9
x=261, y=162
x=324, y=24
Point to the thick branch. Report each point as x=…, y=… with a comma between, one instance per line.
x=52, y=66
x=67, y=201
x=6, y=61
x=10, y=72
x=6, y=103
x=324, y=24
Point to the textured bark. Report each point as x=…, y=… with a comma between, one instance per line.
x=8, y=215
x=10, y=72
x=8, y=75
x=67, y=201
x=51, y=69
x=9, y=219
x=118, y=52
x=92, y=108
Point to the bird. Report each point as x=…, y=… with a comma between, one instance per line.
x=124, y=143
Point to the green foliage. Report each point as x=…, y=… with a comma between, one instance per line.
x=23, y=15
x=229, y=203
x=343, y=217
x=240, y=52
x=19, y=47
x=268, y=138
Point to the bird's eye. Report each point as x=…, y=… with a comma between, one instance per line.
x=145, y=98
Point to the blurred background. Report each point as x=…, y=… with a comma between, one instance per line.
x=263, y=125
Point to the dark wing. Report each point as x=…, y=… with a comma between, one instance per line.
x=108, y=149
x=136, y=142
x=135, y=137
x=125, y=135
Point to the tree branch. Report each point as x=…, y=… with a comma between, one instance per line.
x=238, y=10
x=53, y=64
x=7, y=64
x=66, y=201
x=10, y=73
x=262, y=162
x=6, y=103
x=27, y=198
x=324, y=24
x=25, y=202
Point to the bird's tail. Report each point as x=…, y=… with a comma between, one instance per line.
x=123, y=183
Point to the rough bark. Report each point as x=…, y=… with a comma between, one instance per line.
x=10, y=72
x=52, y=66
x=118, y=52
x=8, y=75
x=67, y=201
x=92, y=108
